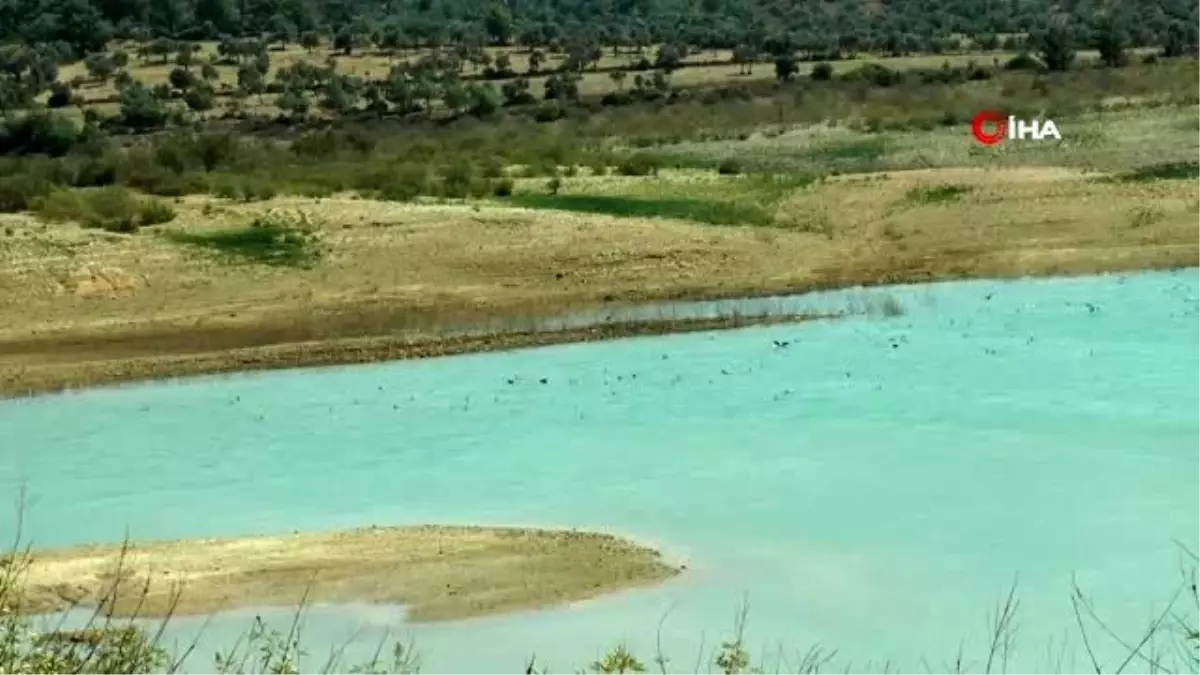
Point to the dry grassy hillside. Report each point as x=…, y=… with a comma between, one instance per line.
x=73, y=300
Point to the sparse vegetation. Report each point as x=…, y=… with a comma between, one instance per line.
x=1143, y=216
x=698, y=210
x=937, y=194
x=1187, y=170
x=113, y=208
x=729, y=167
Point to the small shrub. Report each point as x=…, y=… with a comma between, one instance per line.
x=408, y=182
x=876, y=74
x=113, y=208
x=729, y=167
x=861, y=154
x=38, y=134
x=638, y=165
x=155, y=212
x=1185, y=170
x=619, y=660
x=1143, y=216
x=937, y=193
x=226, y=189
x=503, y=187
x=18, y=191
x=258, y=190
x=822, y=71
x=479, y=187
x=1024, y=61
x=548, y=112
x=456, y=180
x=493, y=167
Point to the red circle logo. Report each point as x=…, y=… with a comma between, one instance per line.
x=999, y=121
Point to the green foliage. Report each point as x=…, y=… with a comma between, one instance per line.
x=618, y=660
x=406, y=183
x=937, y=194
x=1111, y=39
x=141, y=108
x=1056, y=46
x=113, y=208
x=200, y=97
x=38, y=134
x=456, y=179
x=155, y=212
x=822, y=71
x=503, y=187
x=275, y=240
x=293, y=101
x=785, y=67
x=61, y=96
x=106, y=649
x=729, y=167
x=549, y=112
x=857, y=152
x=19, y=191
x=574, y=28
x=639, y=165
x=1187, y=170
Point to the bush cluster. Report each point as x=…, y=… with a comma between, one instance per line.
x=113, y=208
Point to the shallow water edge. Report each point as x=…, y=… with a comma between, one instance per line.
x=701, y=312
x=89, y=374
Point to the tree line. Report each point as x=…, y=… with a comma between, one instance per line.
x=81, y=27
x=452, y=78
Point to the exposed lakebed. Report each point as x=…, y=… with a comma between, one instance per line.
x=873, y=484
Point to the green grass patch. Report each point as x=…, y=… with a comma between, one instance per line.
x=699, y=210
x=859, y=154
x=772, y=188
x=1186, y=170
x=272, y=240
x=937, y=194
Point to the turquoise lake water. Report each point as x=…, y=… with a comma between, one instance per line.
x=874, y=486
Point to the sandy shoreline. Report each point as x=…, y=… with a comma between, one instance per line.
x=42, y=378
x=399, y=282
x=50, y=375
x=438, y=573
x=65, y=371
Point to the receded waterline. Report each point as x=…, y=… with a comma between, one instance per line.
x=870, y=484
